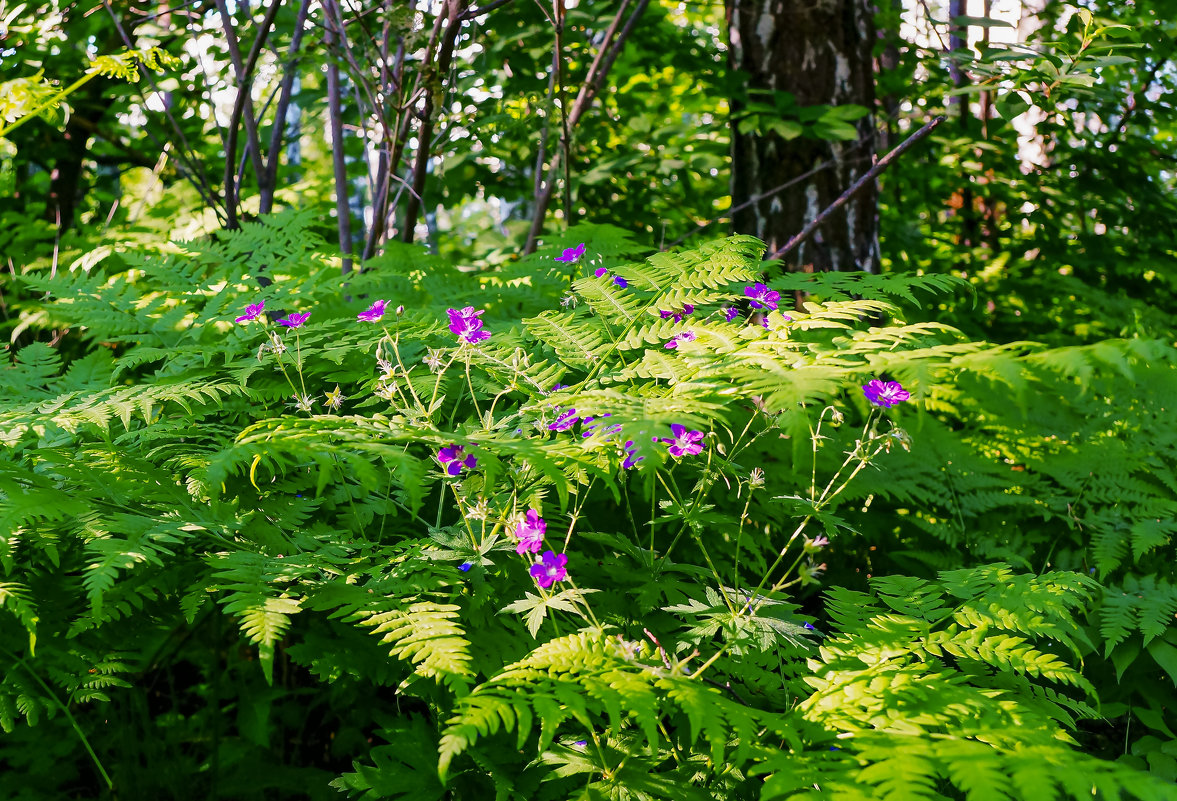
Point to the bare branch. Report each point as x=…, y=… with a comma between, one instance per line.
x=335, y=111
x=451, y=11
x=858, y=185
x=243, y=105
x=486, y=9
x=270, y=180
x=610, y=48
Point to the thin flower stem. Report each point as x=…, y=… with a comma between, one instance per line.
x=397, y=352
x=714, y=657
x=576, y=512
x=470, y=383
x=69, y=716
x=298, y=359
x=704, y=485
x=715, y=572
x=739, y=538
x=465, y=519
x=437, y=386
x=583, y=601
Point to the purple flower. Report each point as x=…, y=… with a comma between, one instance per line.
x=252, y=312
x=466, y=325
x=601, y=272
x=685, y=336
x=811, y=628
x=885, y=393
x=452, y=460
x=580, y=744
x=685, y=443
x=631, y=457
x=549, y=569
x=761, y=297
x=530, y=533
x=565, y=421
x=373, y=313
x=571, y=254
x=465, y=566
x=294, y=320
x=587, y=430
x=556, y=387
x=677, y=314
x=730, y=313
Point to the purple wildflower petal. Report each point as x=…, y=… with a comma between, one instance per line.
x=549, y=569
x=885, y=393
x=761, y=297
x=730, y=313
x=601, y=271
x=252, y=312
x=466, y=325
x=373, y=313
x=621, y=282
x=684, y=443
x=565, y=421
x=530, y=533
x=571, y=254
x=295, y=320
x=454, y=457
x=465, y=566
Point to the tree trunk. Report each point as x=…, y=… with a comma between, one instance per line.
x=820, y=52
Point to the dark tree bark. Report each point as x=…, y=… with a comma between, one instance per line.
x=819, y=51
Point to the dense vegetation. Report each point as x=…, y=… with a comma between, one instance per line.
x=293, y=507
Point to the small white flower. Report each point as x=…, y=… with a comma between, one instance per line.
x=387, y=369
x=303, y=403
x=433, y=357
x=569, y=301
x=387, y=391
x=756, y=478
x=277, y=346
x=335, y=399
x=479, y=511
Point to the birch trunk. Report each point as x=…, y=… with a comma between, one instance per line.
x=820, y=51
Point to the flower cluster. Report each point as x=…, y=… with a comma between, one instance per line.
x=466, y=325
x=454, y=458
x=885, y=393
x=530, y=533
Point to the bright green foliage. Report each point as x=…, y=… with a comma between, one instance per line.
x=163, y=482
